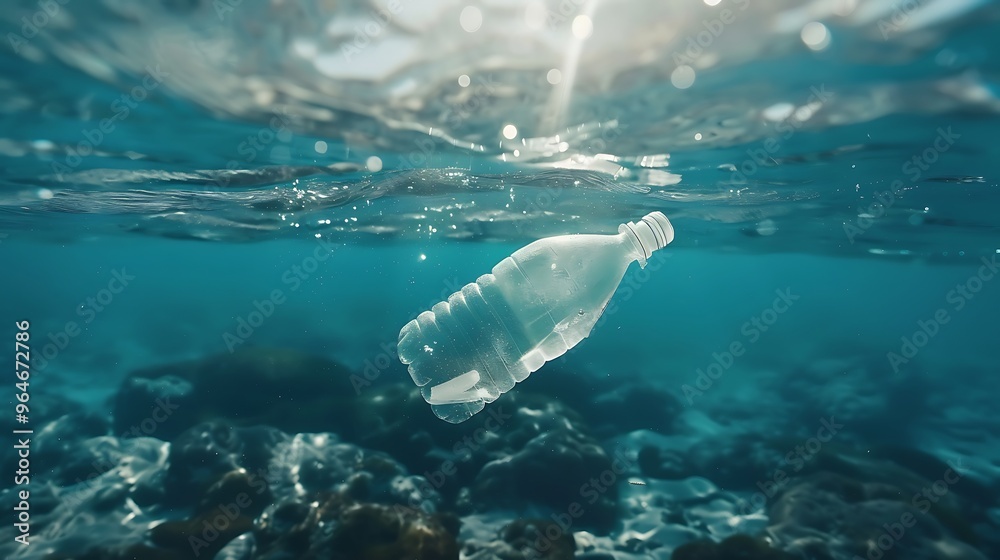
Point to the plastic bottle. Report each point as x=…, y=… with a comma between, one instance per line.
x=537, y=304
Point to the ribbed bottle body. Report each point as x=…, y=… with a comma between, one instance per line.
x=466, y=351
x=537, y=304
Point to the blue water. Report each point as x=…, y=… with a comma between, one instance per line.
x=226, y=208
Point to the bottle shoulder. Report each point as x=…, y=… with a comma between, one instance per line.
x=564, y=250
x=559, y=279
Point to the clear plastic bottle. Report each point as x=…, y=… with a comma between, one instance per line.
x=537, y=304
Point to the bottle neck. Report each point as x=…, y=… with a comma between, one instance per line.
x=649, y=234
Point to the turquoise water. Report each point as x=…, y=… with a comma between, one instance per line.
x=215, y=222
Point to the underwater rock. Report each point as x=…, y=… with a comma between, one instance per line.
x=240, y=548
x=766, y=468
x=527, y=449
x=960, y=506
x=67, y=442
x=232, y=488
x=494, y=536
x=634, y=406
x=127, y=552
x=538, y=538
x=204, y=454
x=659, y=516
x=524, y=443
x=929, y=467
x=560, y=465
x=210, y=457
x=285, y=389
x=623, y=403
x=60, y=425
x=293, y=392
x=395, y=418
x=869, y=481
x=205, y=534
x=193, y=498
x=857, y=393
x=840, y=517
x=734, y=461
x=658, y=463
x=103, y=514
x=338, y=529
x=741, y=547
x=161, y=407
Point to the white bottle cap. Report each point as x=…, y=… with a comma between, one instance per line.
x=652, y=232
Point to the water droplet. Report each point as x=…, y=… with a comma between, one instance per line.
x=816, y=36
x=682, y=77
x=471, y=19
x=583, y=26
